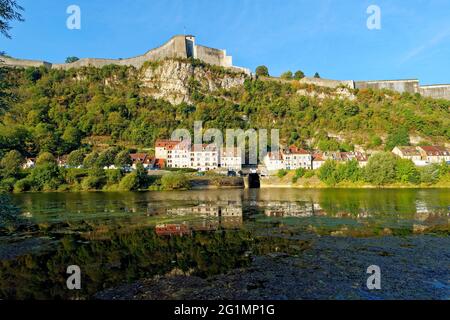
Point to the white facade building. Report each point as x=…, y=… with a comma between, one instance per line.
x=274, y=161
x=231, y=159
x=179, y=155
x=318, y=161
x=410, y=153
x=162, y=146
x=434, y=154
x=295, y=158
x=204, y=157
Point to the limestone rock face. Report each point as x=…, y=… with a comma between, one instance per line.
x=176, y=80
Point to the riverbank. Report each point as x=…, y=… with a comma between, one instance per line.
x=329, y=268
x=287, y=182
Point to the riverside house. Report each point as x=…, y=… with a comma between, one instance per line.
x=434, y=154
x=231, y=159
x=407, y=152
x=295, y=158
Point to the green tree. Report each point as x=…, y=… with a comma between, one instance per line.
x=9, y=11
x=298, y=75
x=11, y=163
x=317, y=75
x=380, y=169
x=350, y=171
x=106, y=157
x=262, y=71
x=123, y=159
x=90, y=161
x=75, y=158
x=46, y=176
x=327, y=173
x=406, y=171
x=397, y=137
x=286, y=75
x=71, y=136
x=45, y=158
x=137, y=180
x=72, y=59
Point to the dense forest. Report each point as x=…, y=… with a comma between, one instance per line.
x=97, y=113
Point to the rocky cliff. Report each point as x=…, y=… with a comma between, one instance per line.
x=175, y=80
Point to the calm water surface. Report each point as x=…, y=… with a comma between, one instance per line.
x=276, y=244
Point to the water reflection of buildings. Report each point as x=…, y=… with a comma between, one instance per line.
x=226, y=215
x=293, y=209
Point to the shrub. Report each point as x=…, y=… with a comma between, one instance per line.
x=282, y=173
x=299, y=173
x=429, y=174
x=7, y=185
x=309, y=174
x=174, y=181
x=129, y=182
x=286, y=75
x=22, y=185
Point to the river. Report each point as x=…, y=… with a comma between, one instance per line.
x=227, y=244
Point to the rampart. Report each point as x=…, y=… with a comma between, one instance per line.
x=21, y=63
x=328, y=83
x=410, y=85
x=179, y=46
x=184, y=46
x=439, y=91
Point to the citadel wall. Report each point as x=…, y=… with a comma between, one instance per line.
x=184, y=46
x=213, y=56
x=411, y=85
x=22, y=63
x=174, y=48
x=440, y=91
x=328, y=83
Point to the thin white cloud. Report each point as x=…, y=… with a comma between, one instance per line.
x=437, y=39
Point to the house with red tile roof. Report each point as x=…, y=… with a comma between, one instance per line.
x=295, y=158
x=162, y=146
x=318, y=160
x=408, y=152
x=434, y=154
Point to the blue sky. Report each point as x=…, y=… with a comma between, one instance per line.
x=328, y=36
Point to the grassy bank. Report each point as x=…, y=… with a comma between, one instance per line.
x=314, y=182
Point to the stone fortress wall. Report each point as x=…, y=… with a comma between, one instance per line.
x=411, y=86
x=440, y=91
x=179, y=46
x=184, y=46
